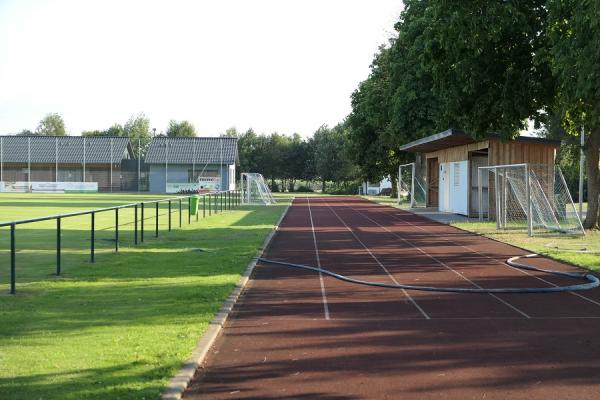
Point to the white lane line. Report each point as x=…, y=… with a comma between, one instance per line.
x=443, y=264
x=436, y=319
x=496, y=261
x=380, y=264
x=323, y=295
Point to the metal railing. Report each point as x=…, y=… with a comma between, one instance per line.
x=213, y=203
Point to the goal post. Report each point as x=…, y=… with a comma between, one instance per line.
x=534, y=197
x=255, y=190
x=410, y=186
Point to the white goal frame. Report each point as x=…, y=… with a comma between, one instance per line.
x=528, y=208
x=414, y=183
x=261, y=189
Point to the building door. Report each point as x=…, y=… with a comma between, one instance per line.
x=433, y=181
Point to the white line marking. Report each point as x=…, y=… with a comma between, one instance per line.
x=436, y=319
x=495, y=260
x=312, y=225
x=442, y=264
x=380, y=264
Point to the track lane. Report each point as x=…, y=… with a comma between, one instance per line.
x=342, y=253
x=490, y=271
x=297, y=354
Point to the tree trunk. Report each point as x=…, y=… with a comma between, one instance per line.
x=592, y=158
x=323, y=186
x=394, y=179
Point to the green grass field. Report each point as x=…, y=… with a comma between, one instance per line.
x=122, y=327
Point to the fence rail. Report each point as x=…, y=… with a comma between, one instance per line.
x=213, y=202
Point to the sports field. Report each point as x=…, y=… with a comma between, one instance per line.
x=303, y=335
x=121, y=327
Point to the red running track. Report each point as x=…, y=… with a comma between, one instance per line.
x=297, y=335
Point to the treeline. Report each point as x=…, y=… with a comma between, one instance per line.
x=481, y=67
x=291, y=163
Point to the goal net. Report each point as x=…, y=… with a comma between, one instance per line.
x=411, y=187
x=527, y=196
x=255, y=189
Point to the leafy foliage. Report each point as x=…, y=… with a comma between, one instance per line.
x=181, y=129
x=51, y=125
x=290, y=159
x=574, y=34
x=482, y=55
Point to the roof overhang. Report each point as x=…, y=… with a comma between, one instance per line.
x=439, y=141
x=453, y=138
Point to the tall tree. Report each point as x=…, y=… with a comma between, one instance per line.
x=137, y=128
x=575, y=58
x=180, y=129
x=484, y=59
x=369, y=120
x=331, y=155
x=51, y=125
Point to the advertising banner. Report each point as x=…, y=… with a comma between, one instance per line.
x=49, y=187
x=203, y=185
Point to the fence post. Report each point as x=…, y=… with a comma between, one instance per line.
x=13, y=255
x=209, y=205
x=116, y=230
x=156, y=234
x=142, y=224
x=58, y=246
x=480, y=194
x=169, y=215
x=180, y=213
x=189, y=210
x=135, y=224
x=497, y=197
x=529, y=205
x=92, y=228
x=204, y=206
x=221, y=198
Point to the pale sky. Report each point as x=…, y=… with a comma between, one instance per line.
x=273, y=65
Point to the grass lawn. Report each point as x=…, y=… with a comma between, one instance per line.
x=122, y=327
x=581, y=251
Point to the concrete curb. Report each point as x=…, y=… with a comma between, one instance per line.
x=177, y=385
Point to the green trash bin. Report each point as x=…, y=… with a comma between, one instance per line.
x=194, y=200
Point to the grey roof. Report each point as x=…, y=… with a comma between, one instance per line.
x=193, y=150
x=67, y=149
x=454, y=137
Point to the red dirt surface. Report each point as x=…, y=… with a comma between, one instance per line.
x=390, y=344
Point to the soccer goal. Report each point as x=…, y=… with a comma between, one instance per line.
x=255, y=189
x=411, y=187
x=528, y=196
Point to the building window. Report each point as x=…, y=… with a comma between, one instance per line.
x=196, y=174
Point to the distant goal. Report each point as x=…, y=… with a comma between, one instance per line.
x=255, y=189
x=411, y=187
x=527, y=196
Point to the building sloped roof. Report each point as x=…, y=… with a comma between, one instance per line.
x=64, y=149
x=192, y=150
x=453, y=137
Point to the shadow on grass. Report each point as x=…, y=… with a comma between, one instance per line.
x=126, y=381
x=157, y=297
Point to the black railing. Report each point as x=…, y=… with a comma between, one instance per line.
x=212, y=199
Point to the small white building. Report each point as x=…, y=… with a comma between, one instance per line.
x=375, y=188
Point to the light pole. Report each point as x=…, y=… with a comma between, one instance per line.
x=581, y=166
